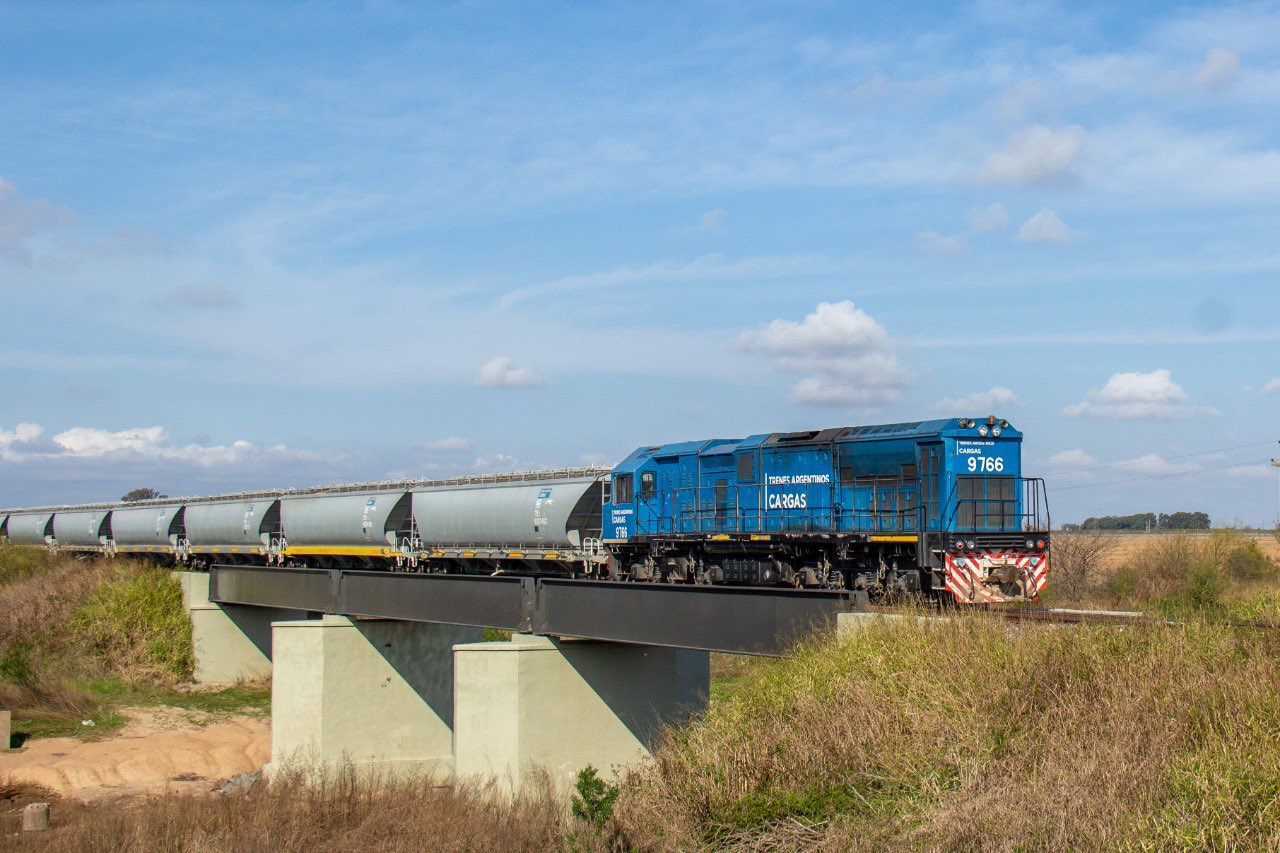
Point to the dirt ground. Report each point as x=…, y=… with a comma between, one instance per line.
x=160, y=749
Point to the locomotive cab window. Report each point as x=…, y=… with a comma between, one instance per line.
x=648, y=487
x=622, y=489
x=746, y=468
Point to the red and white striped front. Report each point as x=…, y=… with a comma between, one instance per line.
x=976, y=578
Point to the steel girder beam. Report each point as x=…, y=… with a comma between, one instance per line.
x=739, y=620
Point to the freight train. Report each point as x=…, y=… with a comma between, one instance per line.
x=931, y=507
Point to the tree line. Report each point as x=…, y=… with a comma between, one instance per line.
x=1143, y=521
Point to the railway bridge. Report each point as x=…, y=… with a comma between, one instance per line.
x=389, y=668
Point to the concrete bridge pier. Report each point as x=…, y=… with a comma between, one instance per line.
x=372, y=693
x=231, y=642
x=538, y=704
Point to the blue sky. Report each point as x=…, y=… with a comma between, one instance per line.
x=253, y=245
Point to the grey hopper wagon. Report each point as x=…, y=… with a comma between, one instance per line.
x=4, y=526
x=534, y=514
x=344, y=521
x=30, y=528
x=86, y=528
x=232, y=527
x=144, y=529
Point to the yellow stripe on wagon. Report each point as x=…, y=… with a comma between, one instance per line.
x=327, y=551
x=893, y=538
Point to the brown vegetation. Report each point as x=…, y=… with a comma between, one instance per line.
x=341, y=811
x=1224, y=573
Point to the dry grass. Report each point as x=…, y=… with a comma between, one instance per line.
x=966, y=735
x=304, y=811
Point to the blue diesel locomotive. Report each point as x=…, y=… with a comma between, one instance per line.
x=893, y=509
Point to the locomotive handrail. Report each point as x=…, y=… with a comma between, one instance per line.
x=1025, y=510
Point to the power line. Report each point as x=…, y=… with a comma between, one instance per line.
x=1161, y=476
x=1162, y=459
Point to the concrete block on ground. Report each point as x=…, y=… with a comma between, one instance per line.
x=35, y=817
x=538, y=704
x=373, y=693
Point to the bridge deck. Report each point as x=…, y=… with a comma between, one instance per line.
x=740, y=620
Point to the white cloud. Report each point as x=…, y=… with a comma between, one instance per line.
x=499, y=463
x=844, y=354
x=712, y=220
x=449, y=445
x=1035, y=156
x=1072, y=459
x=1272, y=386
x=940, y=244
x=989, y=219
x=833, y=327
x=1044, y=226
x=1220, y=66
x=982, y=400
x=150, y=443
x=499, y=372
x=1137, y=396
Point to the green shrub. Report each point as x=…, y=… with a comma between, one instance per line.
x=595, y=797
x=137, y=627
x=1247, y=563
x=1123, y=584
x=1204, y=586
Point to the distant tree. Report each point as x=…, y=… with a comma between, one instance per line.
x=1184, y=521
x=1137, y=521
x=142, y=494
x=1149, y=521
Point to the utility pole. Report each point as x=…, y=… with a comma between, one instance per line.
x=1275, y=463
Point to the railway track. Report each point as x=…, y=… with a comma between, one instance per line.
x=1067, y=616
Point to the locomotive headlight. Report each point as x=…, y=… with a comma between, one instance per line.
x=995, y=431
x=982, y=430
x=1030, y=544
x=971, y=544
